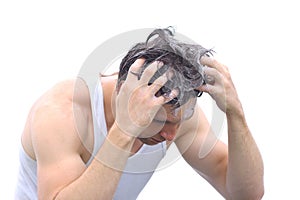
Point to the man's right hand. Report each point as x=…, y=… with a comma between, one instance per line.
x=136, y=103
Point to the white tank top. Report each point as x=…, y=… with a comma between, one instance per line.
x=137, y=173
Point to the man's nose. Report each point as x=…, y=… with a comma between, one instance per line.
x=169, y=133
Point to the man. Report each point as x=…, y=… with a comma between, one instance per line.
x=81, y=144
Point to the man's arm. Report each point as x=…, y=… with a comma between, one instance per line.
x=62, y=174
x=245, y=165
x=205, y=153
x=235, y=171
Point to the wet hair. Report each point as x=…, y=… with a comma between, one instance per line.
x=182, y=59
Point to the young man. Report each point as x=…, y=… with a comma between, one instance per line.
x=81, y=144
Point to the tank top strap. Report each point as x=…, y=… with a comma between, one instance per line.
x=100, y=129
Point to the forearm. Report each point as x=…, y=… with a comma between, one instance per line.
x=101, y=178
x=245, y=166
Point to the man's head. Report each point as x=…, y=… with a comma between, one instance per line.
x=181, y=59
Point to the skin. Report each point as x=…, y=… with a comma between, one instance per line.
x=61, y=144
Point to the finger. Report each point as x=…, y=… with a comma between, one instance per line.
x=158, y=83
x=161, y=81
x=213, y=63
x=207, y=88
x=150, y=71
x=135, y=70
x=204, y=88
x=167, y=97
x=211, y=75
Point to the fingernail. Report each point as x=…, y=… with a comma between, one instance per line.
x=160, y=64
x=203, y=59
x=174, y=93
x=170, y=74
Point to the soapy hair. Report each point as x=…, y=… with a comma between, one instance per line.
x=182, y=60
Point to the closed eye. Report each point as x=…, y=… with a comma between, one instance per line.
x=159, y=121
x=165, y=122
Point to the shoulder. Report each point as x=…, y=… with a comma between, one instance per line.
x=194, y=131
x=197, y=122
x=59, y=117
x=62, y=102
x=59, y=124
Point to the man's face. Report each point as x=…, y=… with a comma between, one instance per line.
x=166, y=123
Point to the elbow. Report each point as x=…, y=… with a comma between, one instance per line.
x=256, y=194
x=260, y=194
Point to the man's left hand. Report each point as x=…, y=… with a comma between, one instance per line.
x=219, y=85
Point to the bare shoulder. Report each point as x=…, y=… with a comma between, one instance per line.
x=56, y=128
x=55, y=116
x=196, y=122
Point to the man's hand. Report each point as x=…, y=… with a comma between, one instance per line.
x=219, y=85
x=136, y=103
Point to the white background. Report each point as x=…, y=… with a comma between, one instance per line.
x=43, y=42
